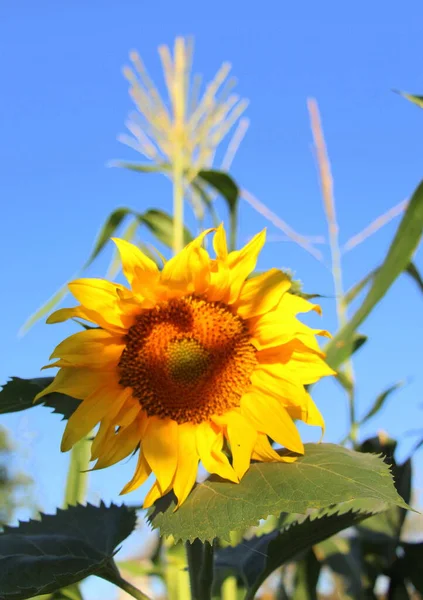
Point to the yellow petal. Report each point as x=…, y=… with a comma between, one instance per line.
x=188, y=271
x=140, y=271
x=160, y=445
x=77, y=382
x=276, y=329
x=128, y=413
x=271, y=418
x=104, y=401
x=92, y=347
x=264, y=452
x=242, y=437
x=77, y=312
x=154, y=494
x=307, y=366
x=141, y=474
x=186, y=471
x=123, y=443
x=261, y=294
x=103, y=438
x=275, y=380
x=209, y=447
x=219, y=243
x=243, y=262
x=292, y=304
x=218, y=289
x=102, y=297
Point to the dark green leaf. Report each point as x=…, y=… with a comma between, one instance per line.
x=161, y=225
x=107, y=231
x=255, y=559
x=307, y=573
x=413, y=272
x=18, y=394
x=413, y=555
x=399, y=255
x=223, y=184
x=62, y=549
x=326, y=475
x=380, y=401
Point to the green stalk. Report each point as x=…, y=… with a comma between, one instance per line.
x=77, y=479
x=130, y=589
x=178, y=203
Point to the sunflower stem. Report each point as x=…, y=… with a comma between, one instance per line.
x=206, y=572
x=77, y=479
x=178, y=204
x=129, y=588
x=200, y=568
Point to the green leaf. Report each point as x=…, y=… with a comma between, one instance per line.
x=399, y=255
x=418, y=100
x=380, y=401
x=71, y=592
x=161, y=225
x=354, y=291
x=413, y=272
x=327, y=474
x=255, y=559
x=226, y=187
x=140, y=167
x=18, y=394
x=62, y=549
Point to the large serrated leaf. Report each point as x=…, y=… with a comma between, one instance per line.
x=398, y=258
x=255, y=559
x=326, y=475
x=61, y=549
x=18, y=394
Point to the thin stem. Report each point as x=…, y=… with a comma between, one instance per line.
x=130, y=589
x=326, y=182
x=178, y=204
x=77, y=478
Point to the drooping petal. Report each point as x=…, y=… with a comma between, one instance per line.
x=102, y=297
x=104, y=401
x=92, y=347
x=264, y=452
x=78, y=382
x=154, y=494
x=242, y=437
x=219, y=243
x=186, y=471
x=209, y=445
x=261, y=294
x=77, y=312
x=103, y=438
x=141, y=474
x=243, y=262
x=160, y=446
x=188, y=271
x=140, y=271
x=123, y=443
x=271, y=418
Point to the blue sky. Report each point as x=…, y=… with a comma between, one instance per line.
x=64, y=101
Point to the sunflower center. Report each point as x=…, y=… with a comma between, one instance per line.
x=188, y=359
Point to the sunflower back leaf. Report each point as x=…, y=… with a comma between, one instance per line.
x=255, y=559
x=18, y=394
x=326, y=475
x=62, y=549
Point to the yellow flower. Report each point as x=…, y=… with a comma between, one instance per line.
x=191, y=361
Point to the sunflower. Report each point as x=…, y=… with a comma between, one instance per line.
x=196, y=362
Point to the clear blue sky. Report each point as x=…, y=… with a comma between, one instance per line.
x=64, y=101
